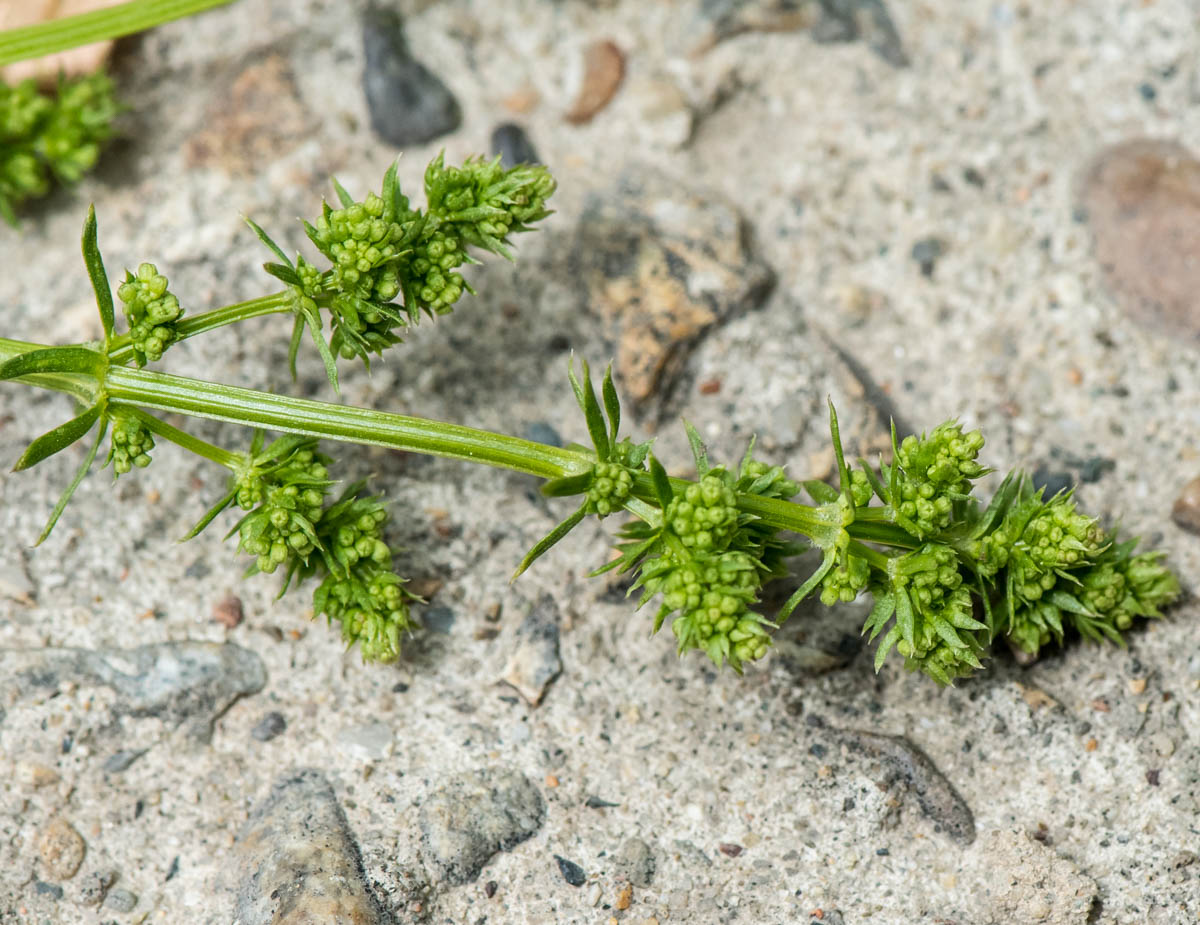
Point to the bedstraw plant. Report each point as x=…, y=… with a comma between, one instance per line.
x=950, y=575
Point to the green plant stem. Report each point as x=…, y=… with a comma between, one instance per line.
x=165, y=392
x=211, y=452
x=141, y=388
x=121, y=350
x=46, y=38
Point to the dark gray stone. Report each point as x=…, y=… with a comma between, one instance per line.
x=542, y=432
x=513, y=145
x=53, y=890
x=269, y=727
x=407, y=102
x=186, y=683
x=535, y=661
x=473, y=816
x=936, y=796
x=120, y=900
x=438, y=619
x=926, y=253
x=122, y=760
x=868, y=20
x=297, y=861
x=571, y=872
x=635, y=862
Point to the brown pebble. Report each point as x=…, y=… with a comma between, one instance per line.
x=603, y=70
x=710, y=386
x=1137, y=685
x=1090, y=745
x=61, y=849
x=1152, y=776
x=489, y=888
x=730, y=851
x=426, y=588
x=624, y=898
x=1186, y=511
x=484, y=633
x=492, y=613
x=1100, y=705
x=551, y=780
x=228, y=611
x=1142, y=199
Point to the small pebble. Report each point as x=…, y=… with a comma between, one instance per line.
x=510, y=142
x=624, y=898
x=53, y=890
x=1152, y=776
x=271, y=725
x=120, y=900
x=228, y=612
x=570, y=871
x=61, y=849
x=542, y=432
x=408, y=103
x=95, y=887
x=489, y=888
x=122, y=760
x=1186, y=511
x=438, y=619
x=603, y=70
x=926, y=253
x=1137, y=685
x=729, y=850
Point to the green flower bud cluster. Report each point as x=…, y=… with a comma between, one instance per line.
x=1053, y=538
x=484, y=202
x=610, y=488
x=360, y=590
x=931, y=473
x=131, y=443
x=705, y=516
x=435, y=285
x=845, y=580
x=284, y=492
x=934, y=630
x=151, y=311
x=44, y=136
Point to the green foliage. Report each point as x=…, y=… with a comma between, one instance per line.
x=47, y=137
x=383, y=248
x=949, y=575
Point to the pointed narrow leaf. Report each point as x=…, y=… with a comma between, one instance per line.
x=95, y=268
x=57, y=439
x=284, y=274
x=662, y=484
x=877, y=486
x=209, y=516
x=594, y=417
x=612, y=404
x=574, y=380
x=65, y=497
x=271, y=245
x=906, y=618
x=885, y=646
x=344, y=197
x=294, y=344
x=313, y=319
x=699, y=451
x=821, y=492
x=550, y=539
x=807, y=588
x=72, y=359
x=391, y=189
x=747, y=458
x=843, y=470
